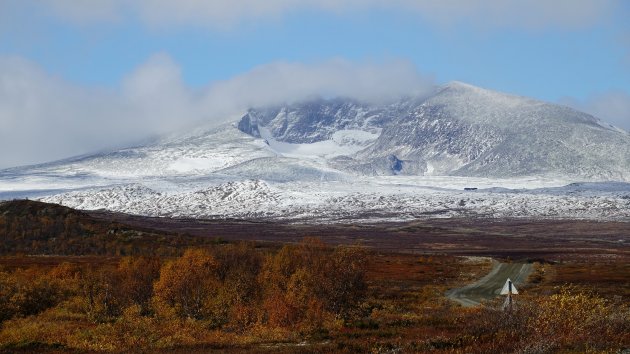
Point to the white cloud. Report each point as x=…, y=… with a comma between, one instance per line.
x=288, y=82
x=43, y=117
x=530, y=14
x=612, y=107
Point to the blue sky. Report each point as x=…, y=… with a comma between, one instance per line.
x=547, y=63
x=573, y=52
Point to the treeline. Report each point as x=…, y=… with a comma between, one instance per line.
x=29, y=227
x=305, y=287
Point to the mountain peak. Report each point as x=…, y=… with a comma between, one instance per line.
x=461, y=130
x=460, y=85
x=460, y=88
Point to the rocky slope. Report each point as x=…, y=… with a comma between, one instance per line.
x=461, y=130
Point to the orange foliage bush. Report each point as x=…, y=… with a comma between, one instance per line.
x=567, y=320
x=189, y=284
x=27, y=292
x=579, y=320
x=234, y=289
x=309, y=284
x=135, y=277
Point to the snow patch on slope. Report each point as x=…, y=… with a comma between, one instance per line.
x=342, y=142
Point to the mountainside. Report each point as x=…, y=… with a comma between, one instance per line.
x=462, y=130
x=338, y=159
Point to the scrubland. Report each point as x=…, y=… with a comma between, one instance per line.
x=71, y=284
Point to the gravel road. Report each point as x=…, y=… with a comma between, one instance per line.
x=490, y=285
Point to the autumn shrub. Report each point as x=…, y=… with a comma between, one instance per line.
x=105, y=293
x=496, y=329
x=567, y=320
x=239, y=294
x=27, y=292
x=189, y=286
x=98, y=294
x=344, y=275
x=308, y=284
x=214, y=296
x=134, y=279
x=65, y=272
x=579, y=320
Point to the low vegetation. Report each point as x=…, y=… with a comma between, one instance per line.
x=29, y=227
x=150, y=293
x=300, y=297
x=237, y=290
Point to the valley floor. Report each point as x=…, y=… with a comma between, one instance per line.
x=575, y=299
x=526, y=238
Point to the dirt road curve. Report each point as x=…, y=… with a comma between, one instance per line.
x=489, y=286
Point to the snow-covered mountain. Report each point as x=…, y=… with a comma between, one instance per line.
x=340, y=159
x=462, y=130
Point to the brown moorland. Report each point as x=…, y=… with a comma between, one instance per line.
x=73, y=281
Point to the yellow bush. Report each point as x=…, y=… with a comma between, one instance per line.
x=189, y=284
x=570, y=317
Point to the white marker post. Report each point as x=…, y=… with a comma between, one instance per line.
x=508, y=289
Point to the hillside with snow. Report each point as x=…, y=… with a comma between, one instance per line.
x=341, y=160
x=461, y=130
